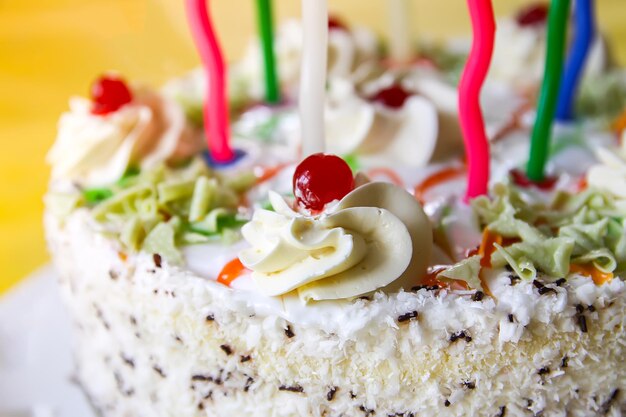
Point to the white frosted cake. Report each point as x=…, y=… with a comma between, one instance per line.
x=275, y=287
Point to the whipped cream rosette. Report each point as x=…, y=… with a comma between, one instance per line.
x=610, y=174
x=376, y=237
x=95, y=150
x=408, y=134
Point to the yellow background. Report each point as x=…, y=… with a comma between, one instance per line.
x=51, y=49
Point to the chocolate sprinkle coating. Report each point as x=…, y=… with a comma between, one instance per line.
x=227, y=349
x=158, y=261
x=245, y=358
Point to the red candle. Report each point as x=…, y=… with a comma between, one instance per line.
x=472, y=122
x=216, y=118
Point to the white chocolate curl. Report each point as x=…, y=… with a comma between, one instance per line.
x=376, y=237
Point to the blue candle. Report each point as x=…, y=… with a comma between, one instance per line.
x=584, y=34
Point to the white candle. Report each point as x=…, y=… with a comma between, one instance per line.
x=400, y=31
x=313, y=75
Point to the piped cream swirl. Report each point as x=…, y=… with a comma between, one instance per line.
x=376, y=237
x=96, y=150
x=610, y=174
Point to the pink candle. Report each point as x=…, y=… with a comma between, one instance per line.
x=472, y=123
x=216, y=118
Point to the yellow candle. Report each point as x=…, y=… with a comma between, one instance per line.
x=313, y=75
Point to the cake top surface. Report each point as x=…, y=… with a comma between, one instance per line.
x=131, y=160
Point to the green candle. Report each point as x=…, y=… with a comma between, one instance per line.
x=546, y=109
x=266, y=29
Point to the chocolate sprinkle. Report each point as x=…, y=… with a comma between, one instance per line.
x=538, y=284
x=331, y=393
x=606, y=407
x=128, y=361
x=159, y=371
x=460, y=335
x=514, y=279
x=227, y=349
x=469, y=384
x=478, y=296
x=249, y=383
x=158, y=261
x=407, y=316
x=210, y=317
x=245, y=358
x=591, y=308
x=367, y=411
x=502, y=411
x=288, y=332
x=511, y=318
x=544, y=290
x=564, y=362
x=582, y=323
x=447, y=403
x=580, y=309
x=544, y=370
x=202, y=378
x=559, y=282
x=424, y=287
x=291, y=388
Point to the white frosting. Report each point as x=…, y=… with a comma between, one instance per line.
x=96, y=150
x=374, y=236
x=610, y=174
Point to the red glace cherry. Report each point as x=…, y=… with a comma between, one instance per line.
x=394, y=96
x=320, y=179
x=335, y=23
x=108, y=94
x=535, y=14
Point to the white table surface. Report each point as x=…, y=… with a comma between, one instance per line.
x=35, y=356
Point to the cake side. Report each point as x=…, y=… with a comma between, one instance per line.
x=154, y=339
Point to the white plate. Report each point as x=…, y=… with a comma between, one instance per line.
x=35, y=353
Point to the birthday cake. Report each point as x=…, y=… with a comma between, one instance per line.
x=358, y=285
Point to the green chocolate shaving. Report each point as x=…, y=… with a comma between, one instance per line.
x=161, y=240
x=467, y=270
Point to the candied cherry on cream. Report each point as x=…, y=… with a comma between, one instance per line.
x=520, y=179
x=393, y=96
x=108, y=94
x=535, y=14
x=335, y=23
x=320, y=179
